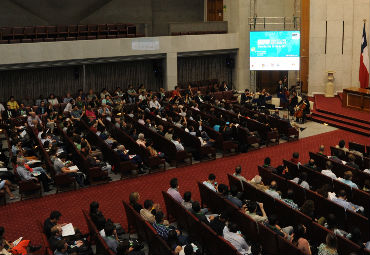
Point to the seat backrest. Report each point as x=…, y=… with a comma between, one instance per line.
x=136, y=220
x=286, y=247
x=359, y=221
x=356, y=147
x=268, y=239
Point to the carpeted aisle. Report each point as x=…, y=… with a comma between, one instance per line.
x=19, y=219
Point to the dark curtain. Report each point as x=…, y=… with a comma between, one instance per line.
x=33, y=82
x=60, y=80
x=203, y=68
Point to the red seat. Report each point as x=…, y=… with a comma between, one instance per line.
x=62, y=31
x=41, y=32
x=268, y=239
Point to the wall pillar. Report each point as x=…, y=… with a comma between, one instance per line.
x=171, y=70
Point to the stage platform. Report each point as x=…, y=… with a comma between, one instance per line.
x=330, y=110
x=356, y=98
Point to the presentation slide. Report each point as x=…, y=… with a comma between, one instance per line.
x=274, y=50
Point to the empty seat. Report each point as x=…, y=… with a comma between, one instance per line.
x=62, y=31
x=41, y=32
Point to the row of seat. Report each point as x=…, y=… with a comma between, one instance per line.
x=66, y=32
x=362, y=161
x=316, y=180
x=289, y=216
x=323, y=206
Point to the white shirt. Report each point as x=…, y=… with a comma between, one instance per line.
x=329, y=173
x=2, y=108
x=154, y=104
x=237, y=241
x=179, y=146
x=68, y=107
x=303, y=184
x=209, y=185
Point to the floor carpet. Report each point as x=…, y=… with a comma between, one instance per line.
x=334, y=105
x=19, y=218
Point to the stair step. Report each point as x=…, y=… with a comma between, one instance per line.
x=341, y=120
x=361, y=131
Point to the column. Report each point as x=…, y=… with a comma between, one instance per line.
x=171, y=70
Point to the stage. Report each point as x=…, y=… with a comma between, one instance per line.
x=330, y=110
x=356, y=98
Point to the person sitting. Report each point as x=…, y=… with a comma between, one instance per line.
x=289, y=199
x=173, y=190
x=27, y=173
x=12, y=106
x=24, y=247
x=308, y=208
x=342, y=145
x=52, y=223
x=62, y=166
x=299, y=240
x=149, y=211
x=256, y=182
x=163, y=228
x=134, y=201
x=328, y=171
x=177, y=142
x=272, y=190
x=197, y=211
x=312, y=165
x=237, y=174
x=295, y=158
x=7, y=185
x=187, y=202
x=141, y=140
x=329, y=247
x=302, y=180
x=233, y=196
x=211, y=182
x=322, y=150
x=331, y=224
x=33, y=120
x=356, y=237
x=231, y=234
x=351, y=162
x=267, y=165
x=347, y=179
x=61, y=248
x=135, y=159
x=273, y=222
x=251, y=210
x=342, y=200
x=111, y=238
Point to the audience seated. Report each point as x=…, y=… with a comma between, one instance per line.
x=289, y=199
x=272, y=190
x=329, y=247
x=173, y=190
x=347, y=179
x=328, y=171
x=237, y=174
x=232, y=234
x=251, y=210
x=134, y=201
x=302, y=180
x=24, y=247
x=211, y=182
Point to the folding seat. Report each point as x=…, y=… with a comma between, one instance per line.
x=102, y=31
x=131, y=30
x=72, y=32
x=5, y=34
x=62, y=32
x=345, y=246
x=51, y=33
x=286, y=247
x=29, y=34
x=359, y=221
x=40, y=33
x=122, y=30
x=82, y=32
x=268, y=239
x=18, y=32
x=92, y=31
x=112, y=31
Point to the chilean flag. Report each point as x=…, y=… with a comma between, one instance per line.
x=364, y=62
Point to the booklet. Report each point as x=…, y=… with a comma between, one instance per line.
x=73, y=168
x=16, y=242
x=68, y=230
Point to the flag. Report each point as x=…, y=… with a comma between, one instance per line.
x=364, y=62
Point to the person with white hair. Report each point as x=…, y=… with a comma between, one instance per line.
x=27, y=173
x=257, y=183
x=141, y=140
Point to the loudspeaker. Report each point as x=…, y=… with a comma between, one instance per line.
x=230, y=63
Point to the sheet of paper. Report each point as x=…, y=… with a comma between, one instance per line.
x=73, y=168
x=68, y=230
x=16, y=242
x=3, y=169
x=23, y=133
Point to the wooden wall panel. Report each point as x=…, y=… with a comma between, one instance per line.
x=305, y=43
x=215, y=10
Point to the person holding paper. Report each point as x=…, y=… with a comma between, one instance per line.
x=20, y=246
x=62, y=166
x=27, y=173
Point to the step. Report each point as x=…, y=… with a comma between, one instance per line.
x=342, y=116
x=341, y=120
x=350, y=128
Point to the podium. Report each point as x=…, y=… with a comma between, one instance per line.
x=356, y=98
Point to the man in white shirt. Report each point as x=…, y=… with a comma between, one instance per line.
x=272, y=190
x=154, y=103
x=2, y=110
x=211, y=182
x=33, y=120
x=347, y=179
x=236, y=239
x=328, y=171
x=177, y=142
x=237, y=174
